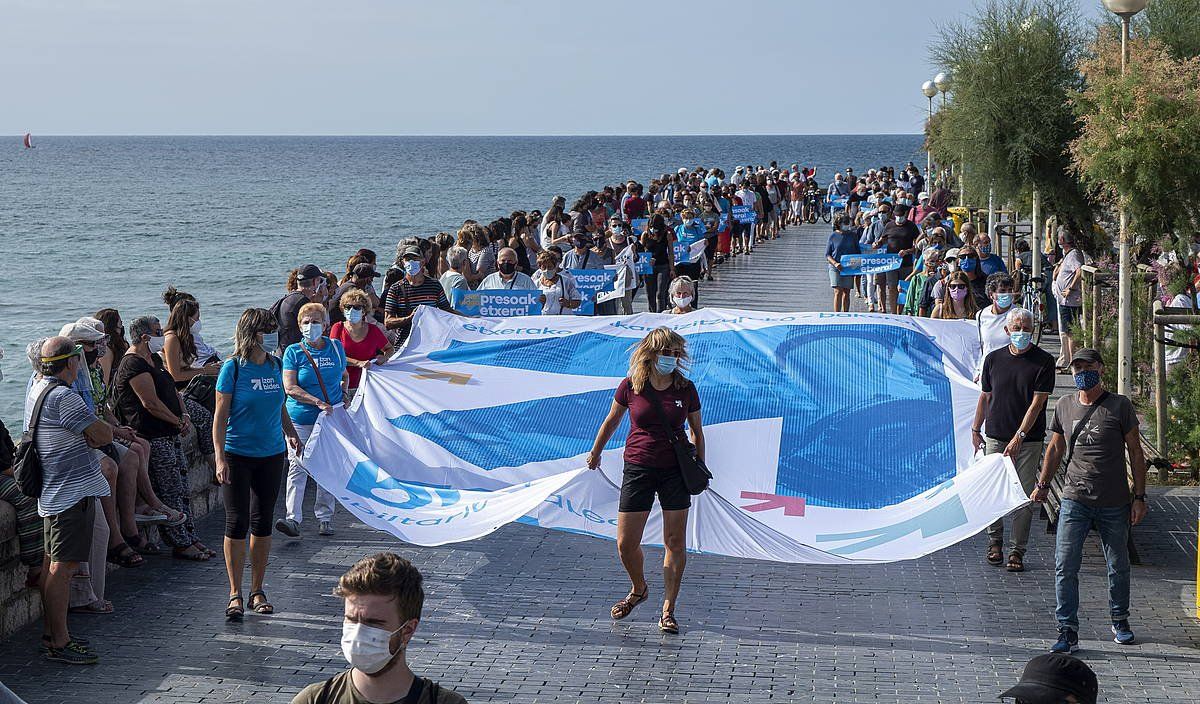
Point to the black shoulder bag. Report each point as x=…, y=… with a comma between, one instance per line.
x=1079, y=428
x=27, y=465
x=696, y=474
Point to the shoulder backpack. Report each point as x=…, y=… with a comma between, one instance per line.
x=27, y=465
x=696, y=474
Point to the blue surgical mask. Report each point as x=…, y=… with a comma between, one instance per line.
x=270, y=341
x=354, y=315
x=412, y=267
x=1021, y=339
x=1004, y=300
x=1087, y=379
x=665, y=364
x=967, y=265
x=312, y=331
x=985, y=249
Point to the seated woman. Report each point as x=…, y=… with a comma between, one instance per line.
x=683, y=293
x=365, y=344
x=180, y=356
x=146, y=400
x=206, y=354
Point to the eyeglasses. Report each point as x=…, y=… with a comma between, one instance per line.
x=354, y=307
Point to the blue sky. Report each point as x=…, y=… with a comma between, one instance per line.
x=467, y=66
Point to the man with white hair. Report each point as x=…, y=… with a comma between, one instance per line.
x=1017, y=380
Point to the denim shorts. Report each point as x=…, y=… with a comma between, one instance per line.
x=836, y=280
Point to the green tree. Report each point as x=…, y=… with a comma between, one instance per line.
x=1014, y=65
x=1176, y=23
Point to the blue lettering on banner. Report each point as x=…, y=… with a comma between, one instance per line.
x=639, y=225
x=745, y=214
x=591, y=282
x=498, y=303
x=644, y=264
x=866, y=264
x=834, y=448
x=723, y=222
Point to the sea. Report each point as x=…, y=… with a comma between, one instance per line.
x=96, y=222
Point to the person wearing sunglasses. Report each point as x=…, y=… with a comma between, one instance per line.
x=365, y=344
x=250, y=426
x=956, y=302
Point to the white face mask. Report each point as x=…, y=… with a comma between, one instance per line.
x=312, y=331
x=196, y=327
x=156, y=344
x=354, y=315
x=681, y=301
x=367, y=648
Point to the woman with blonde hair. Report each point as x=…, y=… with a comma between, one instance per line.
x=655, y=379
x=683, y=295
x=956, y=303
x=249, y=430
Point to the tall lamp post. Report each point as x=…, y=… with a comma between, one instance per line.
x=942, y=82
x=1125, y=9
x=930, y=90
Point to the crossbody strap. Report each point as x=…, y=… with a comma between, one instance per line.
x=651, y=394
x=37, y=409
x=1080, y=425
x=317, y=370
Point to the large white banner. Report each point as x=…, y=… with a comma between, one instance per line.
x=833, y=437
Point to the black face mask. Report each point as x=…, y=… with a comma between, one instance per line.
x=507, y=267
x=91, y=356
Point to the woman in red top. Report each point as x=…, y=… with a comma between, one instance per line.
x=655, y=377
x=364, y=343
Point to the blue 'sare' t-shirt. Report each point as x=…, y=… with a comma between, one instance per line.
x=255, y=428
x=332, y=360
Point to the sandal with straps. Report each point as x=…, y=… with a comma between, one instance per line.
x=1016, y=562
x=624, y=607
x=995, y=554
x=234, y=613
x=125, y=556
x=262, y=606
x=667, y=623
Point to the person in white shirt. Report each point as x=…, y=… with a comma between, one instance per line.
x=506, y=275
x=990, y=321
x=560, y=295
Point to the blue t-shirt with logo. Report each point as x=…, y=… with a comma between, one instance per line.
x=332, y=360
x=255, y=428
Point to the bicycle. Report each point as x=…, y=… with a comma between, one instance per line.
x=812, y=207
x=1033, y=298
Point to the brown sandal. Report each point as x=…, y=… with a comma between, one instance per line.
x=1016, y=562
x=995, y=554
x=259, y=603
x=667, y=623
x=624, y=607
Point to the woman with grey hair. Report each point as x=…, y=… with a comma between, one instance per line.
x=458, y=260
x=146, y=399
x=683, y=293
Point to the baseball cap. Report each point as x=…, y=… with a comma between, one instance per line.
x=952, y=253
x=309, y=271
x=84, y=330
x=1048, y=679
x=411, y=251
x=364, y=269
x=922, y=195
x=1087, y=354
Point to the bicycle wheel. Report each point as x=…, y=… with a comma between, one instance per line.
x=1032, y=300
x=826, y=214
x=811, y=215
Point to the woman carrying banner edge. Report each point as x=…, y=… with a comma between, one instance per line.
x=655, y=377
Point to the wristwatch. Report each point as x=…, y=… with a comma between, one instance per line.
x=1021, y=434
x=1139, y=497
x=1040, y=486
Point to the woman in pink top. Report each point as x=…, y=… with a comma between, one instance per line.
x=364, y=342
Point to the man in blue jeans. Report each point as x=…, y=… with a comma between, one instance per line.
x=1095, y=429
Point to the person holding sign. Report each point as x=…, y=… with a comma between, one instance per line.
x=687, y=233
x=506, y=277
x=657, y=240
x=657, y=395
x=560, y=295
x=841, y=242
x=625, y=260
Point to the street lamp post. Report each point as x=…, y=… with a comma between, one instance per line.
x=1125, y=9
x=930, y=90
x=942, y=82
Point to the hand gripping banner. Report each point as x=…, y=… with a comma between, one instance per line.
x=832, y=437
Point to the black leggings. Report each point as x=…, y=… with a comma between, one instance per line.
x=658, y=285
x=251, y=494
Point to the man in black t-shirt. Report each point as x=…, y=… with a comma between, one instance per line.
x=311, y=282
x=1017, y=379
x=900, y=236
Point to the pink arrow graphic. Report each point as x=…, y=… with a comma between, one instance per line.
x=791, y=505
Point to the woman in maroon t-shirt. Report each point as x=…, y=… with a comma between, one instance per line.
x=655, y=376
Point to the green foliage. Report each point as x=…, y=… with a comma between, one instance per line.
x=1141, y=132
x=1014, y=66
x=1174, y=22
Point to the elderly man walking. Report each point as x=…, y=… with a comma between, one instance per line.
x=1016, y=379
x=65, y=432
x=1095, y=429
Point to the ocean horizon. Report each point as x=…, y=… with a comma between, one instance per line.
x=91, y=222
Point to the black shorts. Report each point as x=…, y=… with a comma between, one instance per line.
x=640, y=484
x=68, y=534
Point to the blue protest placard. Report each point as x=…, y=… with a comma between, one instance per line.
x=838, y=203
x=499, y=303
x=860, y=264
x=639, y=225
x=591, y=282
x=745, y=214
x=644, y=264
x=902, y=292
x=724, y=222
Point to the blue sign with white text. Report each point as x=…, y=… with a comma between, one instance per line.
x=499, y=303
x=591, y=282
x=866, y=264
x=745, y=214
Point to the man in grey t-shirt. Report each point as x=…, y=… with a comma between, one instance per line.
x=1095, y=429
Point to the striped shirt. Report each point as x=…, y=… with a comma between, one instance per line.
x=71, y=471
x=403, y=298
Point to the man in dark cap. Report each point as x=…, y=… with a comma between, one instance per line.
x=416, y=289
x=311, y=282
x=1094, y=428
x=1053, y=679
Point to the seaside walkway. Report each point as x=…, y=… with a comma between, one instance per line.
x=522, y=615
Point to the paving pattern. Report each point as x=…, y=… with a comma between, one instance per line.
x=522, y=615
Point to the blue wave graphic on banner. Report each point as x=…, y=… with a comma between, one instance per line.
x=866, y=409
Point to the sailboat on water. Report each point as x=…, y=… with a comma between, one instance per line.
x=28, y=141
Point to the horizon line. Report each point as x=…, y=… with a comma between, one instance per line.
x=330, y=134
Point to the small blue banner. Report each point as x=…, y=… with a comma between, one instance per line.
x=499, y=303
x=591, y=282
x=745, y=214
x=860, y=264
x=644, y=264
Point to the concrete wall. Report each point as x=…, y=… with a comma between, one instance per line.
x=20, y=606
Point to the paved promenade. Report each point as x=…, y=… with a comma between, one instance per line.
x=522, y=615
